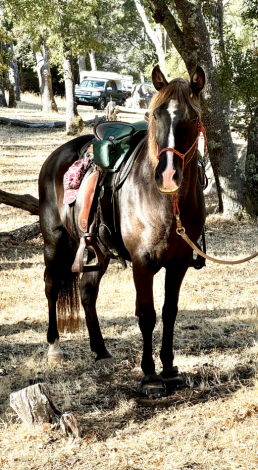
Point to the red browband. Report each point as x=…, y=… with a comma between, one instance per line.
x=200, y=129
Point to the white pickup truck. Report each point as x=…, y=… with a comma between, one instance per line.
x=98, y=88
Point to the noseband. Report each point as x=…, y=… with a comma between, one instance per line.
x=200, y=129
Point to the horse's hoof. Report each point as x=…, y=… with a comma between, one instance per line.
x=171, y=379
x=55, y=358
x=55, y=353
x=105, y=363
x=153, y=386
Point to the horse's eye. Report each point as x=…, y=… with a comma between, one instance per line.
x=154, y=116
x=196, y=118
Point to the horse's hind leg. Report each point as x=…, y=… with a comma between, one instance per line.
x=59, y=253
x=89, y=289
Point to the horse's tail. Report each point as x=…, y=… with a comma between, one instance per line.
x=68, y=303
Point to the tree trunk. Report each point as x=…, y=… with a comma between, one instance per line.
x=92, y=60
x=251, y=168
x=3, y=102
x=34, y=405
x=14, y=87
x=155, y=37
x=11, y=87
x=26, y=202
x=45, y=79
x=74, y=122
x=81, y=65
x=193, y=44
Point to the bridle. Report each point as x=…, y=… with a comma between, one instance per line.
x=200, y=129
x=180, y=230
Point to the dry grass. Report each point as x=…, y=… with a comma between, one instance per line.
x=210, y=424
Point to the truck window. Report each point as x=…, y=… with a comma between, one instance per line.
x=114, y=87
x=92, y=83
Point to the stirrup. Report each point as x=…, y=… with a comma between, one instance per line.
x=88, y=241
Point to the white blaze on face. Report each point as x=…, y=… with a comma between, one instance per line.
x=168, y=183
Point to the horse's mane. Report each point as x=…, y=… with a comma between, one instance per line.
x=178, y=89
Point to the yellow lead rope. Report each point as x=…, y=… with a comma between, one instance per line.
x=181, y=231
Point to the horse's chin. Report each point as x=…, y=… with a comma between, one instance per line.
x=168, y=191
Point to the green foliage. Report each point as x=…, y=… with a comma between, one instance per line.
x=237, y=76
x=5, y=39
x=72, y=22
x=126, y=46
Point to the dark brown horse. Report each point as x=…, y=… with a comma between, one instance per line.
x=145, y=223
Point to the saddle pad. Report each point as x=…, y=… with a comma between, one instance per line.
x=73, y=178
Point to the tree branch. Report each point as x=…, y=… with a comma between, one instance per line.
x=163, y=15
x=25, y=202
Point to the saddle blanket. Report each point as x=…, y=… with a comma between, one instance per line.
x=73, y=178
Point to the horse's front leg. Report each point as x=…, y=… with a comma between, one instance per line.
x=89, y=289
x=175, y=272
x=143, y=280
x=152, y=384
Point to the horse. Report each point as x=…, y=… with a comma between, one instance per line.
x=163, y=181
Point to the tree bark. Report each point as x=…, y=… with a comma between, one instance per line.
x=26, y=202
x=3, y=102
x=92, y=60
x=12, y=79
x=193, y=44
x=74, y=122
x=251, y=168
x=34, y=405
x=45, y=80
x=58, y=124
x=81, y=65
x=17, y=122
x=155, y=37
x=20, y=234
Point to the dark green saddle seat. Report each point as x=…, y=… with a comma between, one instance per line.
x=115, y=141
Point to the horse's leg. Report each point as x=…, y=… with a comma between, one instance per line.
x=143, y=280
x=152, y=384
x=175, y=272
x=59, y=254
x=89, y=289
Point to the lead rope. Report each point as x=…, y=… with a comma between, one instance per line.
x=180, y=230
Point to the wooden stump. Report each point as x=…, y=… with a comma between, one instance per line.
x=35, y=406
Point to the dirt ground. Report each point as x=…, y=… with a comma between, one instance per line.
x=210, y=424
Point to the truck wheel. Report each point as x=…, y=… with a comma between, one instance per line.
x=102, y=104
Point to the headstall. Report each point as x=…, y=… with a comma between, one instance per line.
x=200, y=129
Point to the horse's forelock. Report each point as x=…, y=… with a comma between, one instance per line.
x=179, y=90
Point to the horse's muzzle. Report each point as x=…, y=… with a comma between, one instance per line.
x=167, y=180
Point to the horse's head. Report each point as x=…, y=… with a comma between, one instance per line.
x=174, y=118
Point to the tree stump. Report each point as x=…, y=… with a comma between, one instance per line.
x=35, y=406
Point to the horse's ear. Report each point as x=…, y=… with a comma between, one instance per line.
x=198, y=80
x=158, y=79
